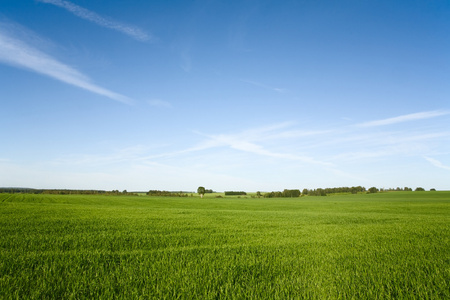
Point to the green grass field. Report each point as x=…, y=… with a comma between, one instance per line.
x=387, y=246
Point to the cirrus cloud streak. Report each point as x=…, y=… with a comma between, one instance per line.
x=405, y=118
x=91, y=16
x=18, y=53
x=437, y=163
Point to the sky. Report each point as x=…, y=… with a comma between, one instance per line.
x=231, y=95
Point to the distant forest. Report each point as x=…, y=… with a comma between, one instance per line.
x=274, y=194
x=64, y=191
x=337, y=190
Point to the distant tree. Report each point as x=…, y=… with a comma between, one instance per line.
x=432, y=190
x=234, y=193
x=291, y=193
x=165, y=193
x=269, y=195
x=419, y=189
x=258, y=194
x=201, y=191
x=315, y=192
x=273, y=195
x=373, y=190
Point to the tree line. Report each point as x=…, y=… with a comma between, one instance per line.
x=233, y=193
x=337, y=190
x=286, y=193
x=167, y=193
x=64, y=192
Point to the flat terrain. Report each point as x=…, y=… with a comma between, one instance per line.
x=388, y=245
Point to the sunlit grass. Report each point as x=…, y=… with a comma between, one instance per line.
x=391, y=245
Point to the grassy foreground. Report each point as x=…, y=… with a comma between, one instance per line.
x=390, y=246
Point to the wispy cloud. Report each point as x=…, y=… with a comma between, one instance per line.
x=327, y=148
x=350, y=146
x=18, y=53
x=117, y=156
x=437, y=163
x=247, y=141
x=405, y=118
x=159, y=103
x=186, y=61
x=91, y=16
x=264, y=86
x=287, y=154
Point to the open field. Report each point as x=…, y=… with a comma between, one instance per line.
x=386, y=245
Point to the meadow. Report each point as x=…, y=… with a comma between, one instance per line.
x=387, y=245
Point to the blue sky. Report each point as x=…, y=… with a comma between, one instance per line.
x=230, y=95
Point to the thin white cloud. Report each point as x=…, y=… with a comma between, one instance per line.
x=405, y=118
x=259, y=150
x=437, y=163
x=275, y=89
x=125, y=155
x=351, y=147
x=18, y=53
x=132, y=175
x=312, y=146
x=159, y=103
x=279, y=145
x=294, y=134
x=186, y=61
x=91, y=16
x=246, y=142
